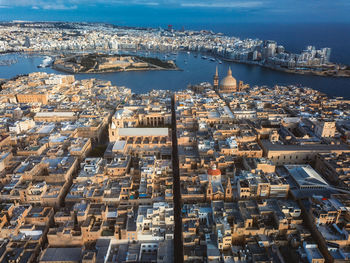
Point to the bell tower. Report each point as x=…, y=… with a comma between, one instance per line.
x=209, y=191
x=216, y=79
x=228, y=192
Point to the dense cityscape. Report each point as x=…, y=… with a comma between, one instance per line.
x=178, y=131
x=217, y=172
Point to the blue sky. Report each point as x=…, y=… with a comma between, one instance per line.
x=160, y=11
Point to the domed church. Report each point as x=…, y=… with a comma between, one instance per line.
x=228, y=84
x=215, y=189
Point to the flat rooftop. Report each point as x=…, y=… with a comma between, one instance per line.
x=269, y=146
x=143, y=132
x=119, y=146
x=305, y=175
x=73, y=254
x=55, y=113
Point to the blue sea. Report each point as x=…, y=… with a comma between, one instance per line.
x=294, y=36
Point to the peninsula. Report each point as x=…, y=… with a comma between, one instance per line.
x=101, y=63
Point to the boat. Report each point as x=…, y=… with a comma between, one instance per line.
x=212, y=59
x=204, y=57
x=220, y=62
x=47, y=61
x=188, y=52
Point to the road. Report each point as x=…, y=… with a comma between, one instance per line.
x=178, y=244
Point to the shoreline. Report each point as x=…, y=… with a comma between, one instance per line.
x=115, y=71
x=277, y=69
x=286, y=70
x=271, y=67
x=185, y=77
x=74, y=64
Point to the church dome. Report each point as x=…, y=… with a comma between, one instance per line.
x=213, y=171
x=228, y=83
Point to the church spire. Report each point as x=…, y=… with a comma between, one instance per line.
x=229, y=72
x=216, y=79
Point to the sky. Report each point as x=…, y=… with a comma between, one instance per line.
x=156, y=12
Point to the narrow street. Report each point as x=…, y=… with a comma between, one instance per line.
x=178, y=244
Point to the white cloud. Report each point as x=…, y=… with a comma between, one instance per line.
x=41, y=4
x=224, y=4
x=72, y=4
x=59, y=7
x=151, y=3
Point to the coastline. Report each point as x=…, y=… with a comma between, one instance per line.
x=98, y=63
x=286, y=70
x=194, y=70
x=279, y=69
x=251, y=51
x=114, y=71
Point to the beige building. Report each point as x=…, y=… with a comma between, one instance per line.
x=32, y=98
x=293, y=154
x=325, y=129
x=55, y=116
x=141, y=137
